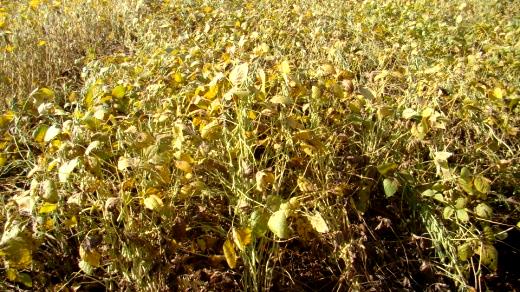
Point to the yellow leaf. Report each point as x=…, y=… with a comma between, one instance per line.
x=242, y=237
x=318, y=223
x=34, y=3
x=47, y=208
x=498, y=93
x=91, y=257
x=39, y=133
x=184, y=166
x=118, y=91
x=230, y=254
x=212, y=92
x=42, y=43
x=153, y=202
x=284, y=67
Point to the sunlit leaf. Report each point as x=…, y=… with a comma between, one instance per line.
x=184, y=166
x=284, y=67
x=66, y=169
x=230, y=254
x=39, y=133
x=278, y=224
x=118, y=91
x=242, y=237
x=47, y=208
x=153, y=202
x=390, y=186
x=462, y=215
x=465, y=251
x=281, y=99
x=482, y=184
x=318, y=223
x=239, y=74
x=484, y=211
x=51, y=133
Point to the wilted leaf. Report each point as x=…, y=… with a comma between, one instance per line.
x=482, y=184
x=242, y=237
x=484, y=211
x=263, y=180
x=66, y=169
x=278, y=224
x=390, y=185
x=305, y=185
x=91, y=257
x=318, y=223
x=488, y=256
x=239, y=74
x=465, y=251
x=230, y=254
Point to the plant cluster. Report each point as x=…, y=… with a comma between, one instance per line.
x=255, y=145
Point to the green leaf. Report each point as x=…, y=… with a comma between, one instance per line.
x=258, y=222
x=278, y=224
x=463, y=215
x=482, y=184
x=318, y=223
x=153, y=202
x=386, y=168
x=465, y=251
x=484, y=211
x=448, y=212
x=489, y=256
x=465, y=174
x=390, y=185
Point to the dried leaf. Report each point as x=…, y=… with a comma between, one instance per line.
x=230, y=254
x=66, y=169
x=318, y=223
x=242, y=237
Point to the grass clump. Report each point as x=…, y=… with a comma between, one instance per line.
x=259, y=146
